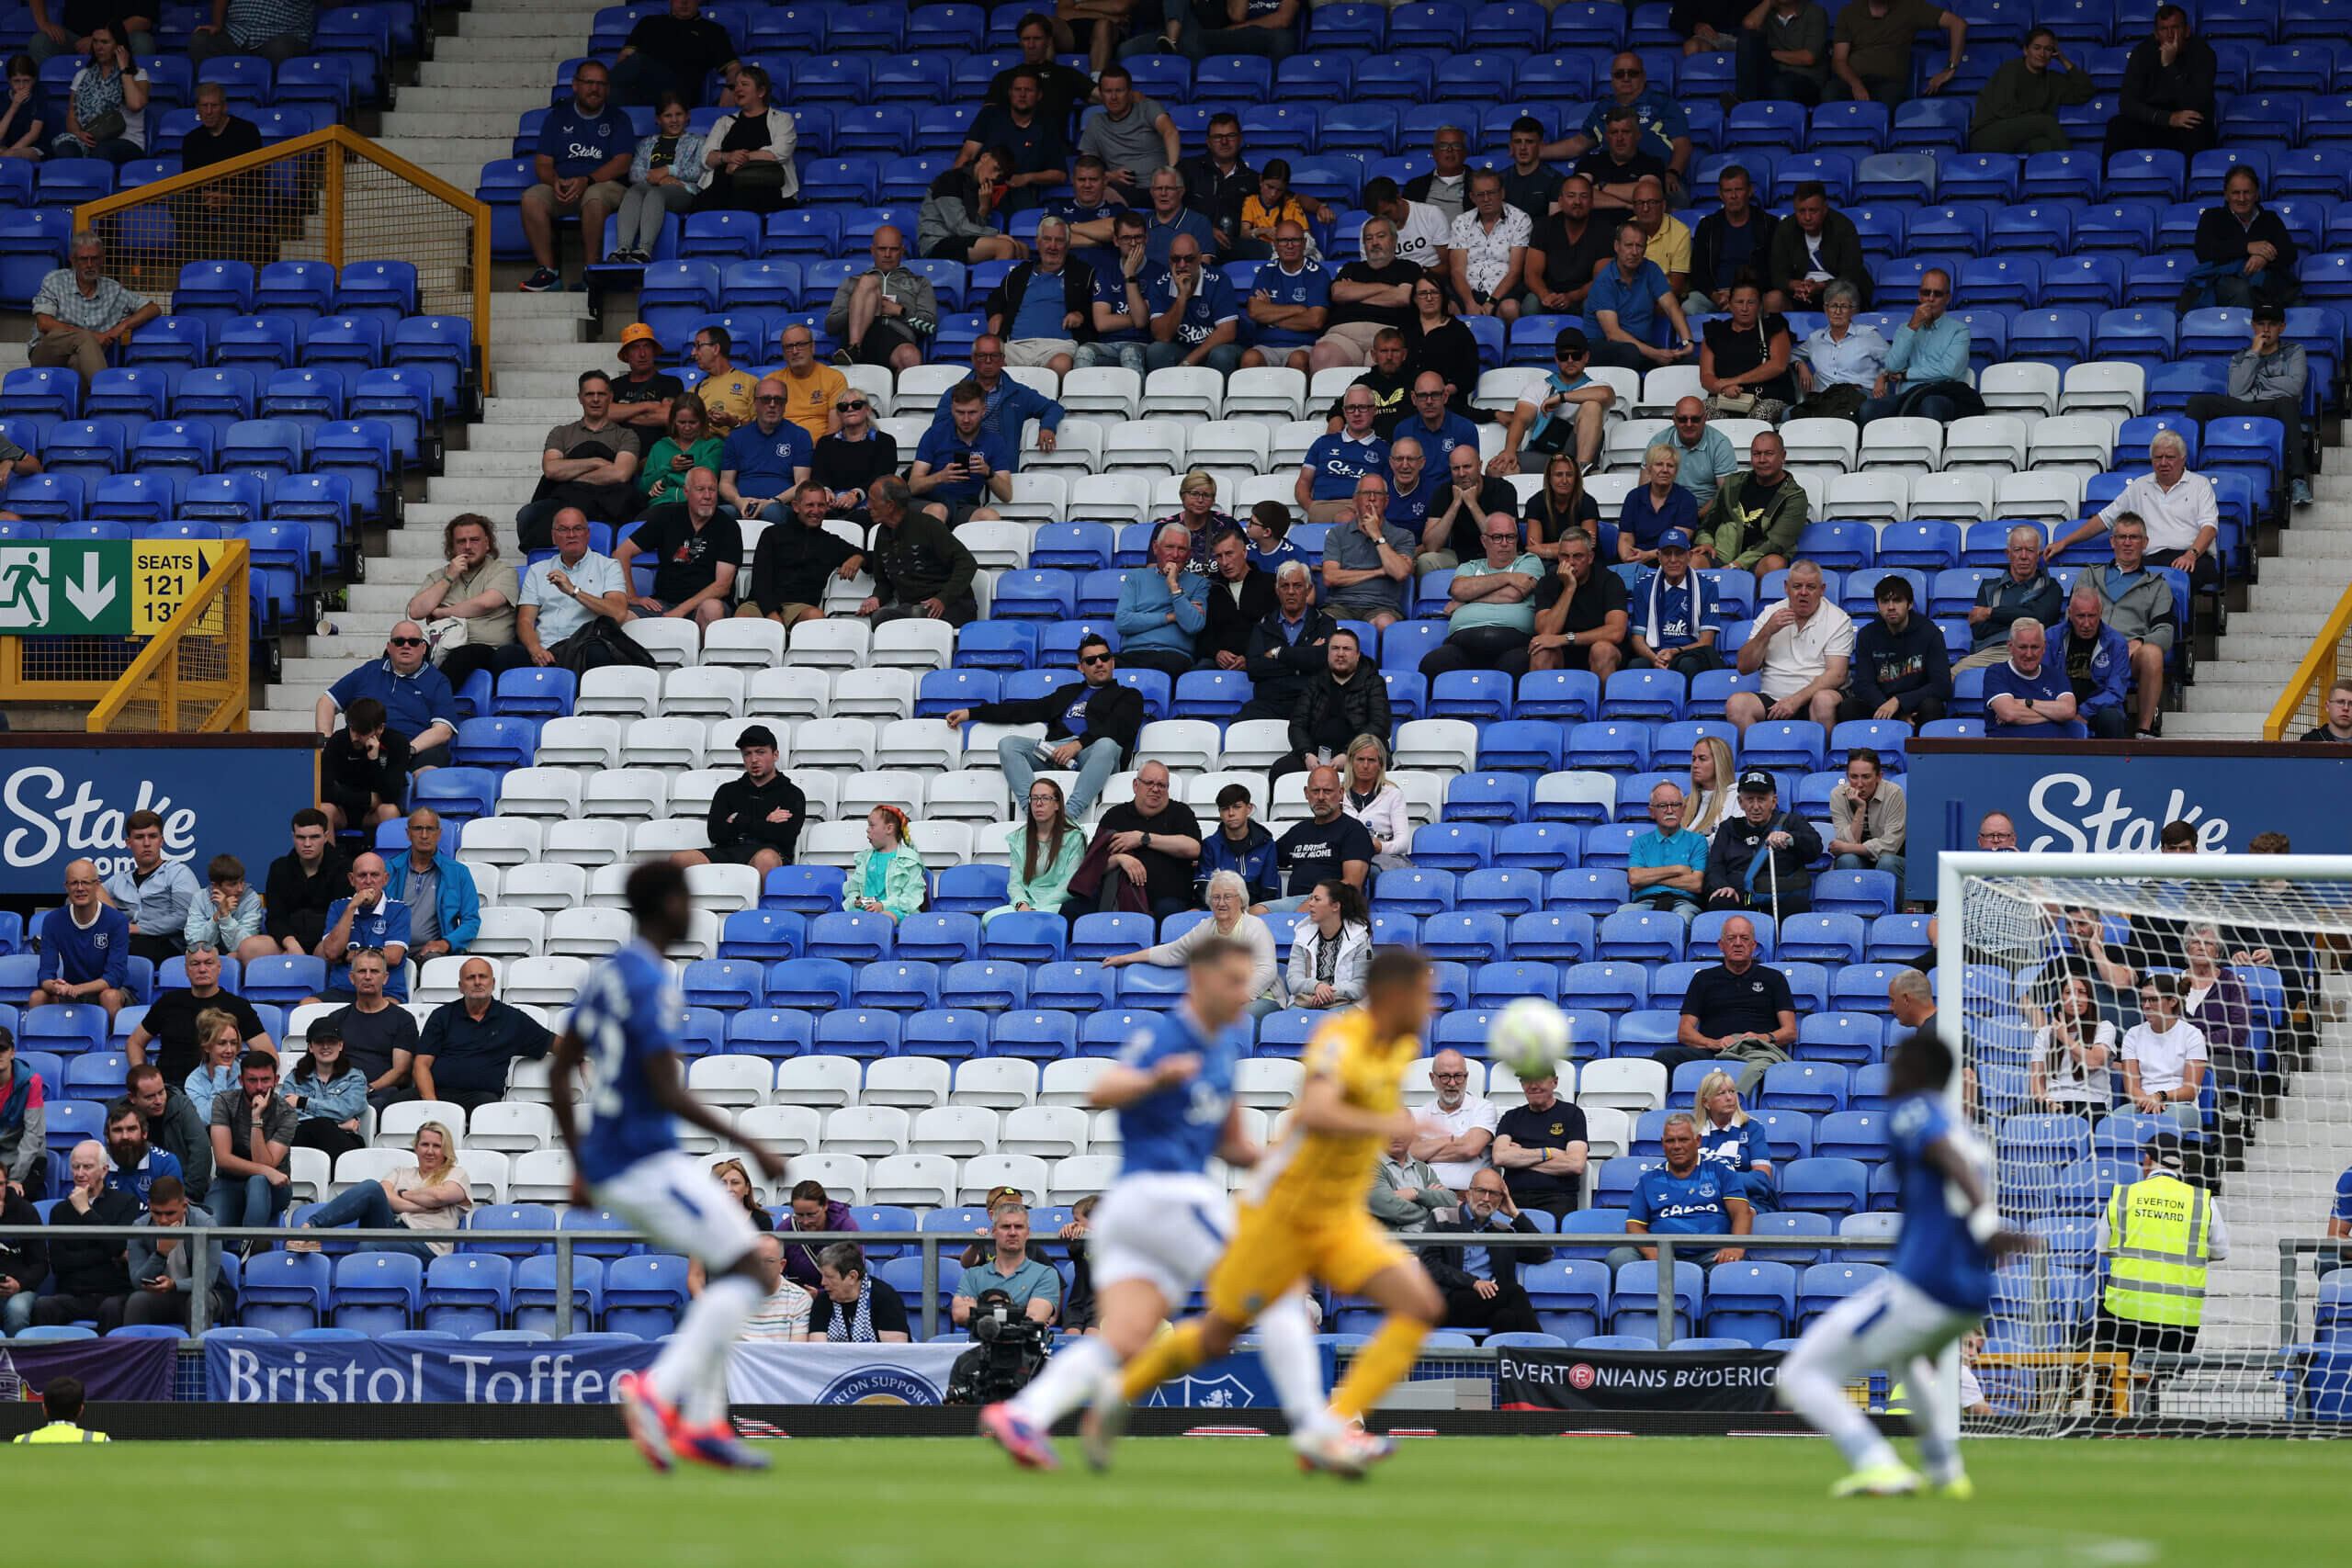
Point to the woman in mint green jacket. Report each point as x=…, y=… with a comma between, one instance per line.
x=887, y=878
x=1045, y=854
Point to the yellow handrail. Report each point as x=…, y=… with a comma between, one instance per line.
x=199, y=660
x=2304, y=702
x=359, y=219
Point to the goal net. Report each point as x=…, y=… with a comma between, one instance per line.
x=2173, y=1015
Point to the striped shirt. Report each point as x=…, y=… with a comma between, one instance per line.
x=62, y=298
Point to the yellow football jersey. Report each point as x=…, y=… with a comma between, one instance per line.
x=728, y=395
x=1307, y=1176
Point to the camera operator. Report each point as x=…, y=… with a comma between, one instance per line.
x=1031, y=1284
x=853, y=1306
x=1008, y=1349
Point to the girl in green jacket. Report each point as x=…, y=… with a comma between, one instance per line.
x=1045, y=854
x=887, y=878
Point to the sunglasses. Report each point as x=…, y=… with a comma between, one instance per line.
x=408, y=642
x=1094, y=659
x=848, y=407
x=1690, y=419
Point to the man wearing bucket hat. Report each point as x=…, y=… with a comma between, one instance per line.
x=642, y=398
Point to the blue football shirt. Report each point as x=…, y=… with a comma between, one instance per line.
x=1685, y=1205
x=1310, y=286
x=1934, y=1251
x=629, y=1012
x=1176, y=1130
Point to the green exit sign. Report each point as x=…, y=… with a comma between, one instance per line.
x=67, y=588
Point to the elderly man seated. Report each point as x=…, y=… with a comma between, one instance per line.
x=418, y=700
x=1927, y=365
x=2097, y=663
x=1481, y=1283
x=1801, y=650
x=1731, y=1003
x=2026, y=589
x=2028, y=697
x=1687, y=1196
x=469, y=1045
x=1491, y=606
x=79, y=312
x=1163, y=606
x=1762, y=858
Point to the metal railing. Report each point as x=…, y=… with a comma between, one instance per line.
x=567, y=1244
x=2304, y=705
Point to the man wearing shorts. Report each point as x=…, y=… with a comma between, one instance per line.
x=581, y=160
x=754, y=821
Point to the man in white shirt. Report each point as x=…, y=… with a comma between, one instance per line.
x=562, y=594
x=1457, y=1128
x=1801, y=650
x=1423, y=233
x=2183, y=516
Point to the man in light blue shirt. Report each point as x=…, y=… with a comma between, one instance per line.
x=1668, y=865
x=1705, y=451
x=563, y=593
x=1163, y=607
x=1631, y=309
x=1928, y=362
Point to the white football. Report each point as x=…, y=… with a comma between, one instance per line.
x=1530, y=1036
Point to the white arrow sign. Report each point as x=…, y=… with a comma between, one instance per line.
x=93, y=593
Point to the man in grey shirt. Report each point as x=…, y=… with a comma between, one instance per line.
x=2266, y=381
x=1131, y=133
x=1404, y=1191
x=1368, y=560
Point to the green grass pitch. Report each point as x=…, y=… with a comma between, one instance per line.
x=1184, y=1503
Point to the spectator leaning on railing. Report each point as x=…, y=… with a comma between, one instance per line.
x=2182, y=513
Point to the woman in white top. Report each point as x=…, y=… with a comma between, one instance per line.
x=2071, y=1054
x=1229, y=918
x=106, y=109
x=434, y=1194
x=2164, y=1057
x=1373, y=799
x=1712, y=793
x=1331, y=954
x=749, y=153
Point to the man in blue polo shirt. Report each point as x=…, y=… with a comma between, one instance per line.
x=1326, y=491
x=1124, y=286
x=581, y=160
x=1437, y=427
x=1412, y=485
x=417, y=699
x=765, y=461
x=960, y=463
x=1675, y=613
x=84, y=948
x=1288, y=303
x=1631, y=316
x=370, y=917
x=1195, y=319
x=2029, y=698
x=1667, y=867
x=1687, y=1196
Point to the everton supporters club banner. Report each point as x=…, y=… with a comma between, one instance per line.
x=840, y=1374
x=1637, y=1380
x=107, y=1369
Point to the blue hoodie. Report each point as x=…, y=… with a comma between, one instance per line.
x=455, y=902
x=2108, y=672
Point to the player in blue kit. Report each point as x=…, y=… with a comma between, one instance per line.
x=1165, y=1220
x=624, y=1031
x=1935, y=1290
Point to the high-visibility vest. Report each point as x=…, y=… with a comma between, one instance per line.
x=62, y=1432
x=2159, y=1237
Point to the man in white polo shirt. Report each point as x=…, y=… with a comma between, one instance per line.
x=1800, y=651
x=1457, y=1128
x=2184, y=518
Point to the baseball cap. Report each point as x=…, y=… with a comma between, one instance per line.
x=1571, y=340
x=755, y=735
x=2267, y=312
x=1756, y=780
x=2163, y=1148
x=1674, y=539
x=638, y=331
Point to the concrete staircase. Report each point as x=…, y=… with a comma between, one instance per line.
x=459, y=116
x=2284, y=611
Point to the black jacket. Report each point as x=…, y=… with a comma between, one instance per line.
x=1329, y=715
x=1280, y=669
x=2220, y=238
x=2154, y=92
x=24, y=1259
x=1734, y=850
x=288, y=892
x=1114, y=712
x=1503, y=1263
x=738, y=810
x=1707, y=272
x=1077, y=294
x=1232, y=624
x=1916, y=665
x=919, y=558
x=1216, y=197
x=792, y=563
x=94, y=1266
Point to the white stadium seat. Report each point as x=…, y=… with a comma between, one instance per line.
x=914, y=1083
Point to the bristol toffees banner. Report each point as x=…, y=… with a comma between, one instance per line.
x=2113, y=798
x=69, y=801
x=1637, y=1380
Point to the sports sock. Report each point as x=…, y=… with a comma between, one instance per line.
x=704, y=1338
x=1067, y=1382
x=1287, y=1349
x=1814, y=1387
x=1173, y=1353
x=1378, y=1366
x=1939, y=1455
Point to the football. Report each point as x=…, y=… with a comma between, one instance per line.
x=1530, y=1036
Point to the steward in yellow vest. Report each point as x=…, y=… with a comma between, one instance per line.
x=61, y=1403
x=2158, y=1236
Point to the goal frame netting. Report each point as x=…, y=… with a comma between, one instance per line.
x=2252, y=1377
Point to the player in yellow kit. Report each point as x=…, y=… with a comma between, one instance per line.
x=1303, y=1213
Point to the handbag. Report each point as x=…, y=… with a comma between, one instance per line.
x=106, y=127
x=443, y=636
x=1841, y=401
x=1732, y=405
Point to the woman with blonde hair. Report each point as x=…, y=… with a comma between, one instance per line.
x=1374, y=799
x=1732, y=1138
x=1560, y=508
x=1198, y=513
x=1046, y=849
x=1714, y=793
x=218, y=1044
x=737, y=1180
x=434, y=1194
x=1230, y=917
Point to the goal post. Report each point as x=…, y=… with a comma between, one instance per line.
x=2166, y=1018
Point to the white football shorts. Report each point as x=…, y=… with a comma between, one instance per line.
x=680, y=1206
x=1165, y=1227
